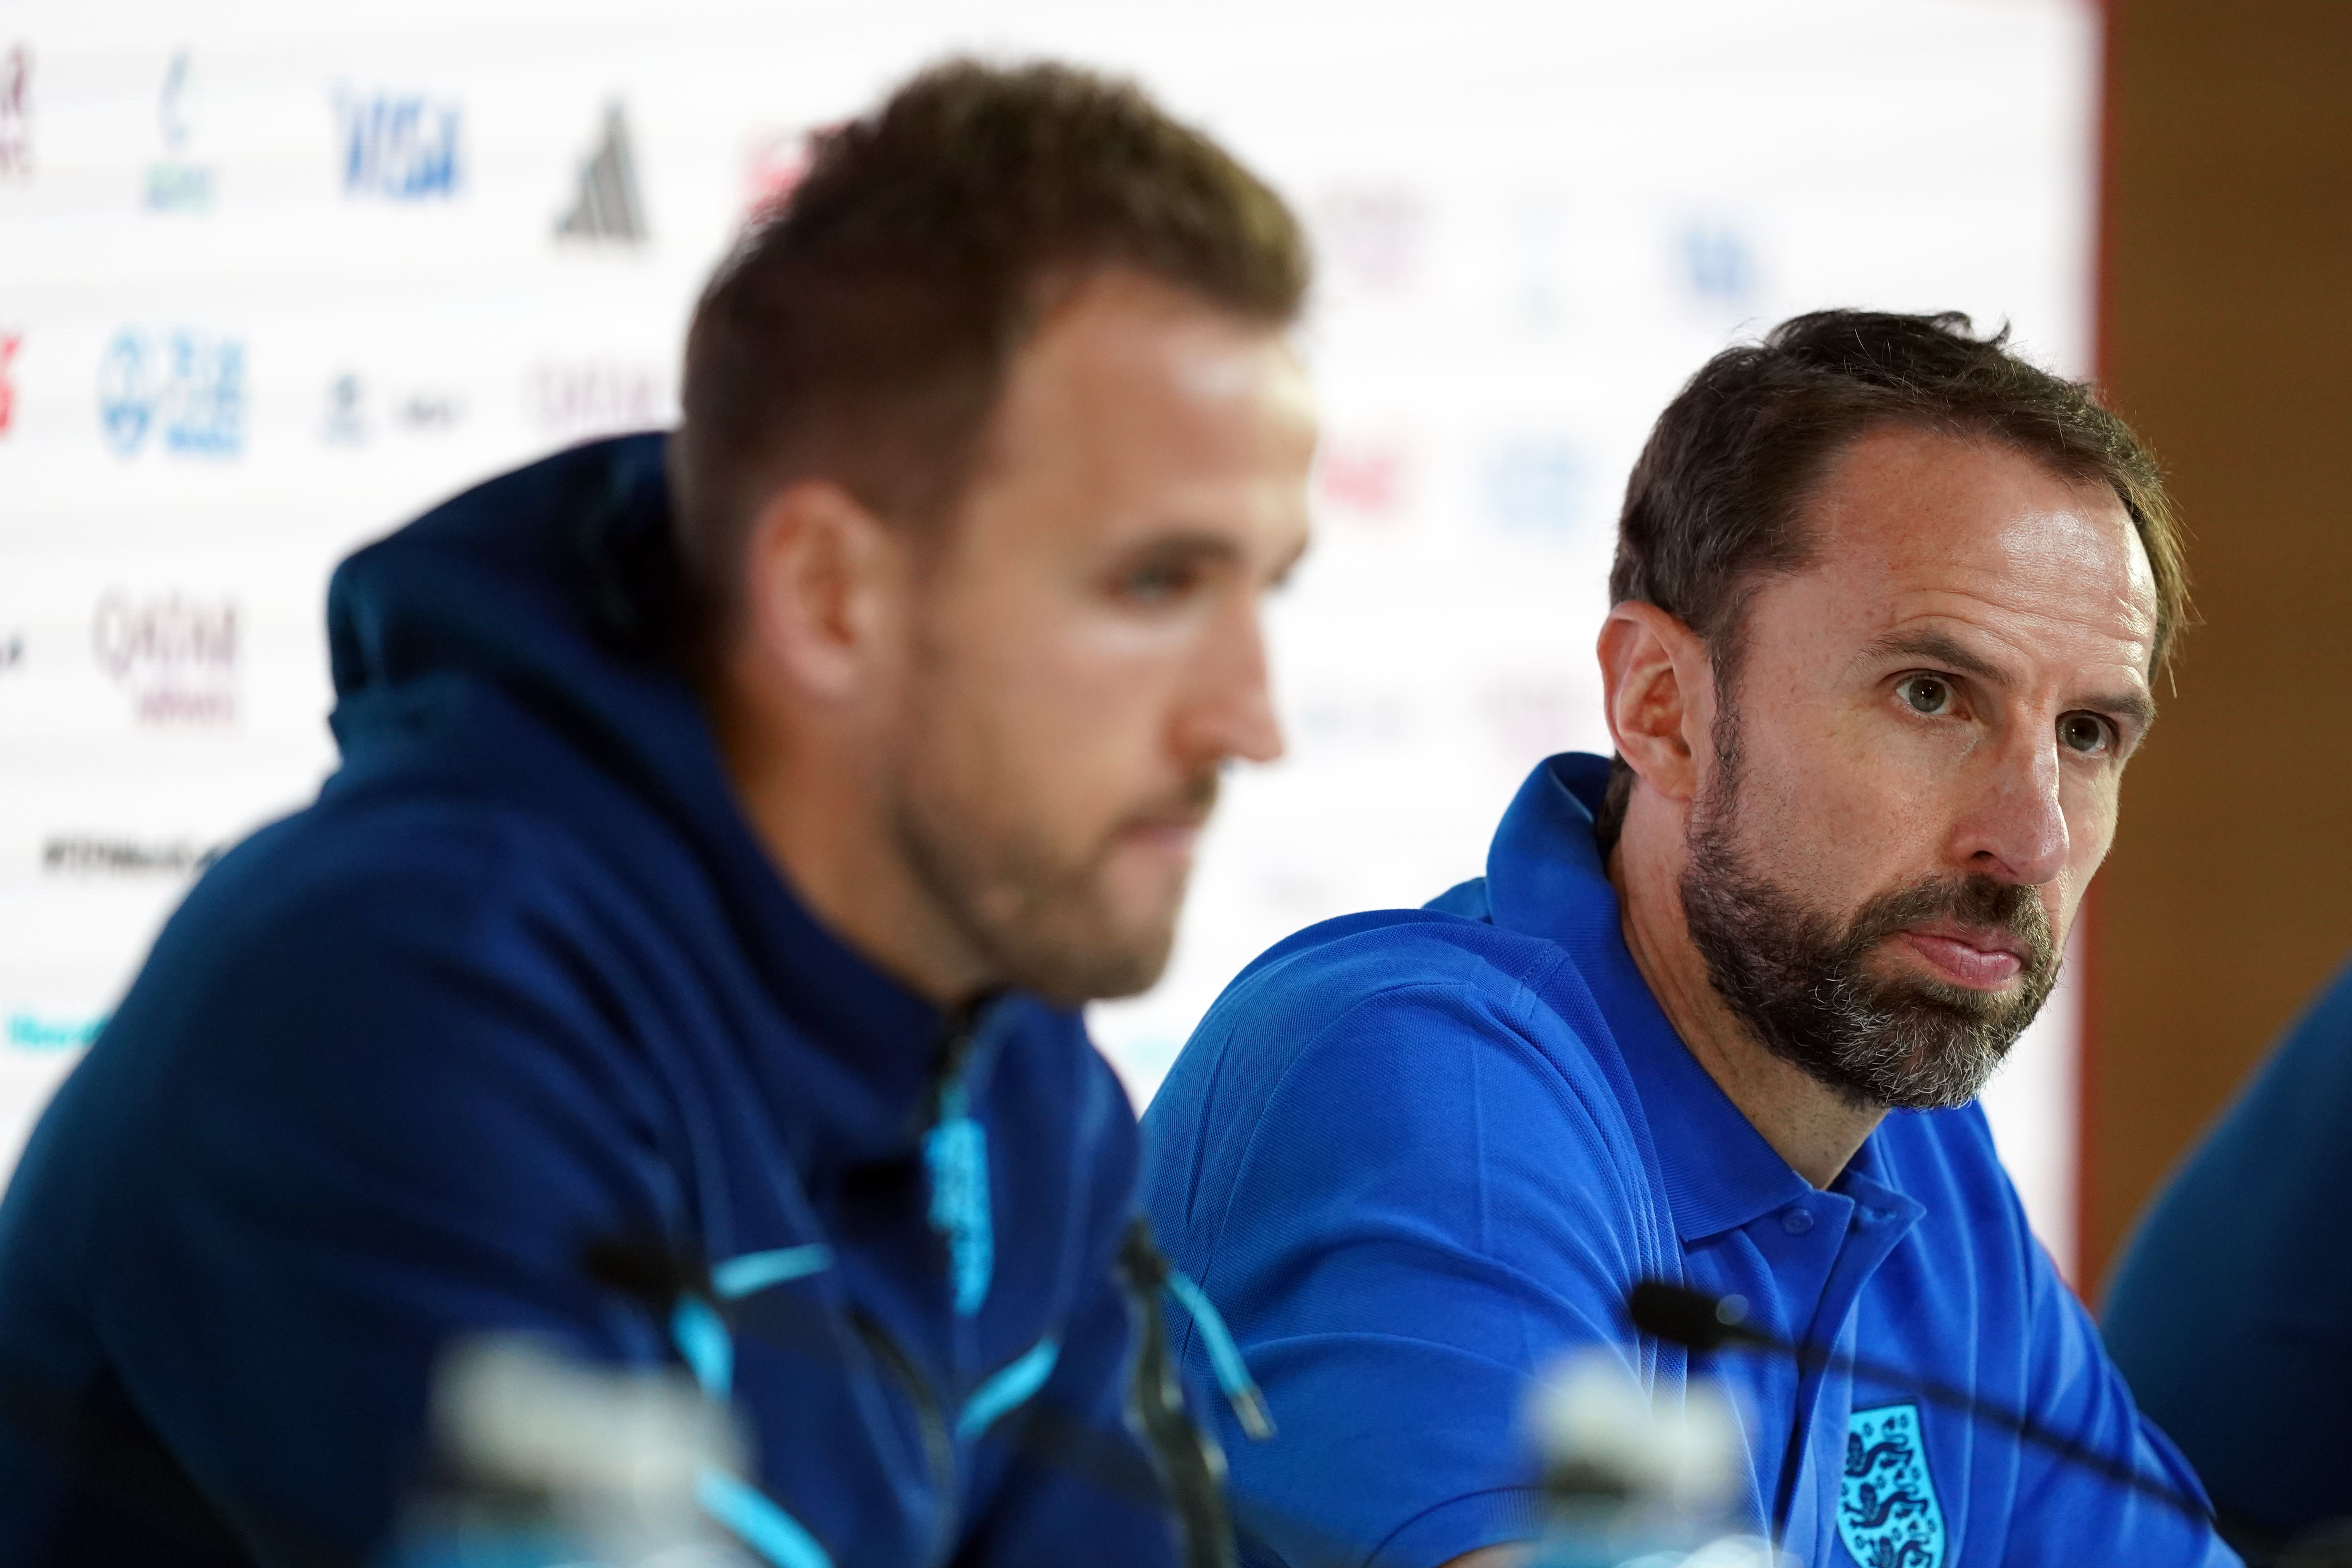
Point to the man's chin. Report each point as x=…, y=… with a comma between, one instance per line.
x=1898, y=974
x=1930, y=994
x=1097, y=972
x=1105, y=949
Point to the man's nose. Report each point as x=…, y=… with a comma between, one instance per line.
x=2018, y=832
x=1229, y=711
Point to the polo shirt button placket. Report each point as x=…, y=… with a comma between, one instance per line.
x=1796, y=1220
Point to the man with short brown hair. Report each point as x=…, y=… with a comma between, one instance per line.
x=1888, y=606
x=682, y=968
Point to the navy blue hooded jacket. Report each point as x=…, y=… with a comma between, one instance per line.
x=520, y=983
x=2232, y=1311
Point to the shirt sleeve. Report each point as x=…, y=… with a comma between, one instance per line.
x=1423, y=1214
x=2068, y=1513
x=335, y=1140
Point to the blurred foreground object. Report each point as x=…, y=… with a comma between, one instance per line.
x=1627, y=1481
x=2232, y=1314
x=554, y=1460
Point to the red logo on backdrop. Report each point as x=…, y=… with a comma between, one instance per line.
x=9, y=343
x=773, y=169
x=1366, y=475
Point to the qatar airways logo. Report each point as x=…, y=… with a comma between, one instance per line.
x=17, y=115
x=174, y=656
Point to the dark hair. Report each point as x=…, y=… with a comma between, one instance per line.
x=862, y=330
x=1717, y=498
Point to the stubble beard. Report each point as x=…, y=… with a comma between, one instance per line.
x=1038, y=913
x=1800, y=980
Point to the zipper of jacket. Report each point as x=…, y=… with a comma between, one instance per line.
x=939, y=1447
x=943, y=1103
x=955, y=1159
x=958, y=1032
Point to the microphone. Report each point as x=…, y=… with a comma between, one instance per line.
x=1705, y=1324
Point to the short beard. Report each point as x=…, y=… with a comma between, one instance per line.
x=1040, y=920
x=1798, y=979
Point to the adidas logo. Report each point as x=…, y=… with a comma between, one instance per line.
x=607, y=208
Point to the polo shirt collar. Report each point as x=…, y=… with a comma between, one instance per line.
x=1545, y=878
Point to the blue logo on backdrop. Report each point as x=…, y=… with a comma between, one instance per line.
x=1537, y=485
x=173, y=183
x=1718, y=263
x=400, y=146
x=184, y=390
x=1887, y=1514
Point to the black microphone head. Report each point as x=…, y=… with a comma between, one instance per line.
x=1682, y=1316
x=646, y=1267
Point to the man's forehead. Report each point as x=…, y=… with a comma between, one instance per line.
x=1910, y=526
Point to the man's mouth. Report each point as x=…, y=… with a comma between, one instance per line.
x=1979, y=957
x=1171, y=825
x=1172, y=835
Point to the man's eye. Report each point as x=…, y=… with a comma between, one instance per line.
x=1930, y=694
x=1158, y=584
x=2085, y=733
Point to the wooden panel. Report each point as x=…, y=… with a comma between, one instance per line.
x=2227, y=335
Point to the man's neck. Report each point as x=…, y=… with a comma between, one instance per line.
x=824, y=830
x=1806, y=1122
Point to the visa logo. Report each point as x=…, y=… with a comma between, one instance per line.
x=403, y=147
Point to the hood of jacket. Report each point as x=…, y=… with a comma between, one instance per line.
x=521, y=640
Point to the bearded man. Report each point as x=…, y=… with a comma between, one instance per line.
x=1888, y=603
x=682, y=968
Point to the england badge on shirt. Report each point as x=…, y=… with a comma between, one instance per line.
x=1887, y=1514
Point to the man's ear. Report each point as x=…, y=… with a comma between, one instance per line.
x=823, y=589
x=1658, y=691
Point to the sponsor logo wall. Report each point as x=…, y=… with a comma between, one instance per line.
x=276, y=278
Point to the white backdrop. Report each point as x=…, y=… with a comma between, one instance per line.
x=273, y=276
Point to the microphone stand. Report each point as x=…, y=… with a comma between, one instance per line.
x=1705, y=1324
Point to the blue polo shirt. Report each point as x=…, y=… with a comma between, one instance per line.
x=1414, y=1155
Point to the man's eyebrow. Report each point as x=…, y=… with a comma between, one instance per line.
x=2136, y=706
x=1940, y=649
x=1204, y=547
x=1183, y=543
